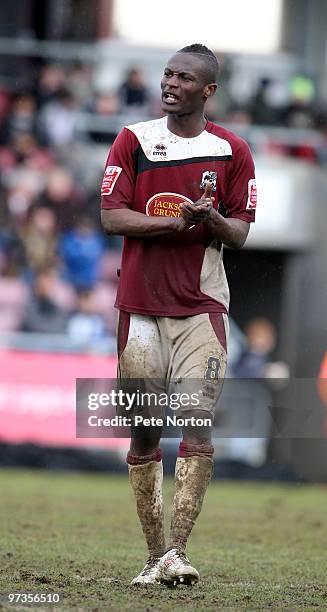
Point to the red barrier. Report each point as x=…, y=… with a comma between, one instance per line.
x=37, y=396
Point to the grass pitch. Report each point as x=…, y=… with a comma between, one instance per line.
x=257, y=546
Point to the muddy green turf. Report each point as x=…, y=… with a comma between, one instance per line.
x=257, y=546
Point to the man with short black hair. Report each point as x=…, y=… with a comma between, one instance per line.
x=177, y=188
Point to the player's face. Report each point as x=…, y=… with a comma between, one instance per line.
x=184, y=85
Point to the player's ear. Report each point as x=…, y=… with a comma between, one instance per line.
x=210, y=90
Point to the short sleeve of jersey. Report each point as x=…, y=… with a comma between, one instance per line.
x=241, y=193
x=118, y=182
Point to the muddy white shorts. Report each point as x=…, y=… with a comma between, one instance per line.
x=181, y=357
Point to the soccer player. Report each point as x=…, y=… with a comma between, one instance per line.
x=177, y=188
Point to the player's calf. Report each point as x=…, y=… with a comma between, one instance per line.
x=194, y=467
x=146, y=475
x=193, y=471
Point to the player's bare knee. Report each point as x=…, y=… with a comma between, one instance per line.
x=145, y=441
x=197, y=426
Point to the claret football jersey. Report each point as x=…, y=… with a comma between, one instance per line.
x=151, y=170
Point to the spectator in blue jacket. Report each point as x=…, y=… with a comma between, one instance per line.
x=81, y=249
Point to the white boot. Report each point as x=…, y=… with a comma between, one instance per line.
x=150, y=574
x=175, y=568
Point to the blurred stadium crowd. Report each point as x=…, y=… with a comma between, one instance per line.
x=57, y=269
x=57, y=273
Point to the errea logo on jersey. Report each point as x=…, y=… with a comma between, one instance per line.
x=111, y=175
x=165, y=204
x=159, y=150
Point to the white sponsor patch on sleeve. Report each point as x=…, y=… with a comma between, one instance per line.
x=111, y=175
x=252, y=195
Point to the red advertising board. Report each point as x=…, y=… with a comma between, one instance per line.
x=37, y=396
x=322, y=385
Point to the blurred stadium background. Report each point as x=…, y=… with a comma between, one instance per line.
x=72, y=73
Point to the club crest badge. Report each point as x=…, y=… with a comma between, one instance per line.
x=209, y=177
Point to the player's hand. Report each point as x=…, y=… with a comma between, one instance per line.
x=183, y=225
x=199, y=211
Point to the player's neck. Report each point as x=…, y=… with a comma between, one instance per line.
x=186, y=126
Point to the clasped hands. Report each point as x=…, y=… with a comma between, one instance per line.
x=198, y=212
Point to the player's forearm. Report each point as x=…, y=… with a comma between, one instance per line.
x=137, y=225
x=232, y=232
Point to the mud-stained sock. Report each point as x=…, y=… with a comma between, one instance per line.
x=146, y=480
x=192, y=476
